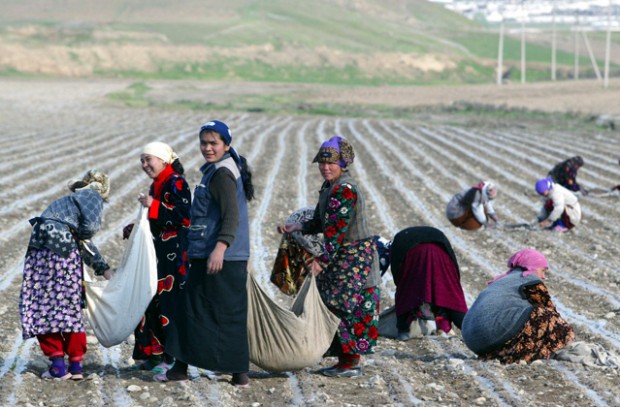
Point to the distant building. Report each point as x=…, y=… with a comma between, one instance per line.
x=592, y=13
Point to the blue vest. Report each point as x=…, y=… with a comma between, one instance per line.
x=206, y=220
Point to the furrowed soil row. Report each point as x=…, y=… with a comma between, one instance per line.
x=407, y=172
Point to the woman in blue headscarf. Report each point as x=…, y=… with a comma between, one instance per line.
x=210, y=330
x=347, y=271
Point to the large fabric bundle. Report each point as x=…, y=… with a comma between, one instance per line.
x=114, y=308
x=295, y=254
x=283, y=340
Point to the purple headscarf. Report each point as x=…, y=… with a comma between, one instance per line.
x=528, y=259
x=336, y=150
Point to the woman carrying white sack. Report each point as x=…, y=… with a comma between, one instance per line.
x=168, y=202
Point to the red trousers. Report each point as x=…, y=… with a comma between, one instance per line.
x=59, y=343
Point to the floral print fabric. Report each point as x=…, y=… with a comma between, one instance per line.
x=337, y=218
x=358, y=330
x=343, y=279
x=51, y=298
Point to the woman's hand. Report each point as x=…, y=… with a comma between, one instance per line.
x=544, y=223
x=145, y=200
x=289, y=227
x=215, y=262
x=316, y=268
x=108, y=274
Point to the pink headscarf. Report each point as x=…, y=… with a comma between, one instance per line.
x=528, y=259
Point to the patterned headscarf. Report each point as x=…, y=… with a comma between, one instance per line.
x=528, y=259
x=160, y=150
x=94, y=179
x=336, y=150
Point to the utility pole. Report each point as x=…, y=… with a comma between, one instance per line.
x=500, y=54
x=591, y=54
x=607, y=47
x=553, y=46
x=523, y=50
x=576, y=38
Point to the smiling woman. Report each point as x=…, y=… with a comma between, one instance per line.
x=168, y=202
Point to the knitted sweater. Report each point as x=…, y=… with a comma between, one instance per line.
x=498, y=314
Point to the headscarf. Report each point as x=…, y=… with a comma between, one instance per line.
x=529, y=260
x=543, y=185
x=577, y=161
x=160, y=150
x=487, y=189
x=336, y=150
x=223, y=130
x=94, y=179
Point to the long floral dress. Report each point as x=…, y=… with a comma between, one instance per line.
x=348, y=265
x=169, y=221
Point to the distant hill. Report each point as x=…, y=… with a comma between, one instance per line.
x=321, y=41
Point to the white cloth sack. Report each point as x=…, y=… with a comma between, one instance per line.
x=282, y=340
x=417, y=329
x=115, y=307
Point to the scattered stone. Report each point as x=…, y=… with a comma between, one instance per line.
x=132, y=388
x=610, y=315
x=455, y=362
x=145, y=395
x=480, y=401
x=92, y=340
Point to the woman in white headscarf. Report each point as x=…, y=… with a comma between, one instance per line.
x=472, y=208
x=169, y=201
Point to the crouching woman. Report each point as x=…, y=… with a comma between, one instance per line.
x=514, y=319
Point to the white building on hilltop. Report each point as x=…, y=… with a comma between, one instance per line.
x=593, y=13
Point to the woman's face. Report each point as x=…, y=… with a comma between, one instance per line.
x=212, y=147
x=151, y=165
x=541, y=272
x=330, y=171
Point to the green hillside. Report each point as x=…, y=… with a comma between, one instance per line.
x=320, y=41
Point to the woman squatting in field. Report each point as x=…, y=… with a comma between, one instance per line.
x=472, y=208
x=514, y=319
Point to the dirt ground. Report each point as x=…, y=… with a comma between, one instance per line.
x=51, y=131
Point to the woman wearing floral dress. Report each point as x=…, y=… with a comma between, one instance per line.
x=51, y=299
x=514, y=319
x=169, y=201
x=347, y=271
